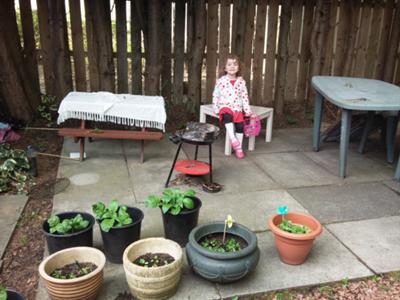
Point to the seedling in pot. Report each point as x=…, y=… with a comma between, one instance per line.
x=111, y=216
x=288, y=225
x=73, y=270
x=172, y=201
x=151, y=260
x=67, y=226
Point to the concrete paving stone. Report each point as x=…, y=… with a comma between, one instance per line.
x=376, y=242
x=93, y=180
x=96, y=149
x=348, y=202
x=251, y=209
x=152, y=149
x=11, y=207
x=359, y=167
x=240, y=175
x=328, y=261
x=294, y=169
x=393, y=185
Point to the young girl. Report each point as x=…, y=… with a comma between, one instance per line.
x=230, y=100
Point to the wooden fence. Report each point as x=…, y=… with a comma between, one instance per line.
x=281, y=43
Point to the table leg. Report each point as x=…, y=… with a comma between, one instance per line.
x=344, y=141
x=397, y=173
x=228, y=147
x=391, y=128
x=82, y=143
x=367, y=129
x=173, y=164
x=202, y=115
x=268, y=128
x=252, y=143
x=210, y=157
x=142, y=148
x=319, y=100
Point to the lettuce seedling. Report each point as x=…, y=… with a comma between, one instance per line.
x=67, y=226
x=172, y=200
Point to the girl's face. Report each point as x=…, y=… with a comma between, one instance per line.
x=231, y=67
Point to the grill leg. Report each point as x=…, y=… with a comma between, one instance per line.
x=173, y=164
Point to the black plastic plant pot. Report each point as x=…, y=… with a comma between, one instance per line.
x=14, y=295
x=57, y=242
x=118, y=238
x=178, y=227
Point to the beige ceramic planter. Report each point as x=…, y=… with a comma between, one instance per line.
x=85, y=287
x=153, y=283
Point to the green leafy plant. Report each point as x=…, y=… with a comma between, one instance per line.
x=288, y=225
x=172, y=201
x=111, y=216
x=14, y=167
x=47, y=108
x=67, y=226
x=216, y=245
x=3, y=293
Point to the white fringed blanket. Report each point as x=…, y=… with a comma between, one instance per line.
x=125, y=109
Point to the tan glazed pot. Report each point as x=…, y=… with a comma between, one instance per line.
x=293, y=248
x=153, y=283
x=85, y=287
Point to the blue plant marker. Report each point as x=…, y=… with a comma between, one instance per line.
x=283, y=210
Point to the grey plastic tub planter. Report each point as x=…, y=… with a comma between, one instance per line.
x=222, y=267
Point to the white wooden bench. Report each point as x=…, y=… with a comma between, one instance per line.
x=262, y=112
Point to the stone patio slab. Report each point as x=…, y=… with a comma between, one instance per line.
x=328, y=261
x=359, y=167
x=393, y=185
x=293, y=169
x=251, y=209
x=348, y=202
x=11, y=207
x=96, y=149
x=376, y=242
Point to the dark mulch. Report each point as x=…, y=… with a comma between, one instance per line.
x=154, y=260
x=25, y=250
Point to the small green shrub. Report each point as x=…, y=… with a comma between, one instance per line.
x=67, y=226
x=172, y=200
x=47, y=108
x=14, y=167
x=3, y=293
x=111, y=216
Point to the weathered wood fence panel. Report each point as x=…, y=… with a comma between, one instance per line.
x=167, y=38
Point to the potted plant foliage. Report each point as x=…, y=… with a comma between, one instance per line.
x=294, y=234
x=180, y=212
x=120, y=226
x=69, y=229
x=73, y=273
x=153, y=268
x=222, y=251
x=10, y=294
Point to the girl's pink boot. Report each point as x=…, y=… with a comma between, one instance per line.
x=238, y=148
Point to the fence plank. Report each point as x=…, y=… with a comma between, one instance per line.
x=305, y=54
x=239, y=27
x=224, y=35
x=99, y=38
x=391, y=51
x=342, y=37
x=166, y=79
x=77, y=44
x=212, y=47
x=269, y=77
x=362, y=45
x=136, y=55
x=373, y=43
x=258, y=53
x=29, y=43
x=327, y=59
x=248, y=41
x=293, y=52
x=179, y=39
x=122, y=57
x=57, y=65
x=384, y=37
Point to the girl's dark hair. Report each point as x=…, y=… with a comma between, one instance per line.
x=222, y=66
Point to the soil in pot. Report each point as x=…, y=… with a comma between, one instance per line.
x=74, y=270
x=214, y=242
x=154, y=260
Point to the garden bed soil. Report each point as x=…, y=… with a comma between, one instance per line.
x=74, y=270
x=19, y=266
x=219, y=237
x=154, y=260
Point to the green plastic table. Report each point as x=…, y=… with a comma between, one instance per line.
x=351, y=94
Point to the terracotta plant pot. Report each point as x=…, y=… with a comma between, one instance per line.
x=294, y=248
x=153, y=283
x=85, y=287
